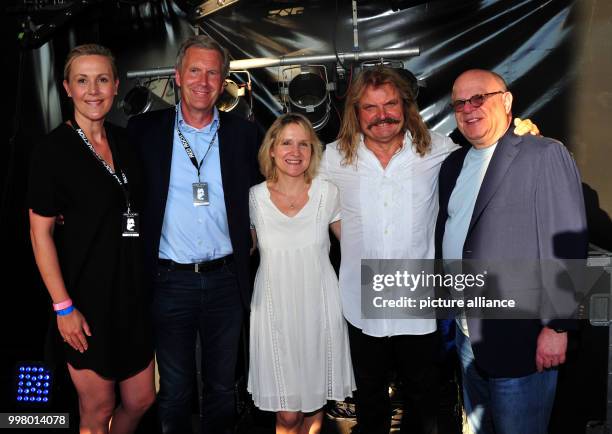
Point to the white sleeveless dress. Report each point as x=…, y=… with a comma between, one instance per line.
x=299, y=350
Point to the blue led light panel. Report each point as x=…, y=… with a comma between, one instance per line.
x=33, y=382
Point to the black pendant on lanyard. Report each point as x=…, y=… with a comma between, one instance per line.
x=130, y=224
x=130, y=221
x=199, y=190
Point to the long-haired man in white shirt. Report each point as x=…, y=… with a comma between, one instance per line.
x=385, y=164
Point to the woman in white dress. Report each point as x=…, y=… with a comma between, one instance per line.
x=299, y=351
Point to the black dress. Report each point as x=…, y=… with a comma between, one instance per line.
x=102, y=269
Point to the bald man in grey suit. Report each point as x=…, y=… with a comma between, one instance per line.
x=507, y=198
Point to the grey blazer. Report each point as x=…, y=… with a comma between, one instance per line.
x=529, y=207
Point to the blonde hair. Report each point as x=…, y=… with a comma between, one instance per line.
x=89, y=50
x=348, y=137
x=273, y=136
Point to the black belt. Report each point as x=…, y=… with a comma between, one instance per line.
x=200, y=267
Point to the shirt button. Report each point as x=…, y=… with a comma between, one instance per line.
x=386, y=231
x=386, y=204
x=199, y=220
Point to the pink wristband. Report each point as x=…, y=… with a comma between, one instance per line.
x=62, y=305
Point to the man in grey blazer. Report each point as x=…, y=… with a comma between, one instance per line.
x=507, y=198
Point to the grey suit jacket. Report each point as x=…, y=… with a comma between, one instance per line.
x=529, y=208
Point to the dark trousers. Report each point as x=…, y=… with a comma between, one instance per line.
x=414, y=358
x=186, y=303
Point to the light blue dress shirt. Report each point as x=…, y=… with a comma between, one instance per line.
x=195, y=233
x=463, y=200
x=461, y=207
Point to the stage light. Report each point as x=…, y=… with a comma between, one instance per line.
x=307, y=92
x=211, y=6
x=230, y=97
x=33, y=383
x=399, y=67
x=237, y=96
x=141, y=99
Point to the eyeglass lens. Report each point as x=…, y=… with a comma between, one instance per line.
x=475, y=101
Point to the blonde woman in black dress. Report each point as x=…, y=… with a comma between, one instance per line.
x=85, y=171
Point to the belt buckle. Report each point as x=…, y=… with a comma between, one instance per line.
x=197, y=267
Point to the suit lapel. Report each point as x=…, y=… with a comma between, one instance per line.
x=165, y=161
x=507, y=150
x=225, y=158
x=449, y=172
x=447, y=184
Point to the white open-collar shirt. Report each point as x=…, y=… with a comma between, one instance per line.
x=387, y=213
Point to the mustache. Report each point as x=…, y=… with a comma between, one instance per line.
x=383, y=120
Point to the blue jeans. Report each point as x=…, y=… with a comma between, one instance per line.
x=185, y=303
x=504, y=405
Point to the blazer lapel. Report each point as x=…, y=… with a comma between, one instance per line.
x=447, y=184
x=165, y=161
x=225, y=158
x=507, y=150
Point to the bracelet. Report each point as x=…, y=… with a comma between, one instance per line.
x=62, y=304
x=65, y=311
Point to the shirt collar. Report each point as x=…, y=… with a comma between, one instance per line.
x=186, y=128
x=484, y=151
x=401, y=149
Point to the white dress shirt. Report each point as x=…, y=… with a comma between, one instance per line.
x=387, y=213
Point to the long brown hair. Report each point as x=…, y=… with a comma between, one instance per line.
x=348, y=137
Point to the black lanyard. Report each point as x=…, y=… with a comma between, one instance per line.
x=188, y=149
x=121, y=181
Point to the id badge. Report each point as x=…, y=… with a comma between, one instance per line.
x=130, y=224
x=200, y=193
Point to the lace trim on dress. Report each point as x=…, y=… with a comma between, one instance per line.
x=278, y=372
x=323, y=194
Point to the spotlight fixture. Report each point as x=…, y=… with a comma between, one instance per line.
x=305, y=89
x=143, y=98
x=237, y=94
x=230, y=97
x=399, y=67
x=33, y=383
x=211, y=6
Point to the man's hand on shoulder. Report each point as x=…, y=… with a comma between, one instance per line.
x=522, y=127
x=551, y=349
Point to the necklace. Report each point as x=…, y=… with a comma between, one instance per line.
x=293, y=200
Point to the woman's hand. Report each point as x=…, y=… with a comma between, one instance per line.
x=73, y=329
x=524, y=126
x=73, y=326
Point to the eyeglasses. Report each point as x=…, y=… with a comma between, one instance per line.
x=474, y=100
